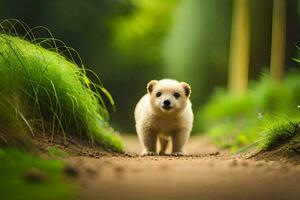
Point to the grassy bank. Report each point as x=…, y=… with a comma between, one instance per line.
x=280, y=131
x=45, y=92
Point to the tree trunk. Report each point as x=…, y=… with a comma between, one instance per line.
x=239, y=47
x=278, y=39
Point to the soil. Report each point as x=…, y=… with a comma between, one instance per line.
x=288, y=153
x=206, y=172
x=72, y=146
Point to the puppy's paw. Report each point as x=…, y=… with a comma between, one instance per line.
x=178, y=153
x=148, y=153
x=162, y=154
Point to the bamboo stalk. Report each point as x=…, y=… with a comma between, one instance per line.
x=278, y=40
x=239, y=47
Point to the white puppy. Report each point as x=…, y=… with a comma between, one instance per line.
x=165, y=112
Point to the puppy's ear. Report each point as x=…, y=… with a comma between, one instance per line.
x=150, y=85
x=187, y=89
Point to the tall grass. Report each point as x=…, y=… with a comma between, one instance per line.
x=48, y=93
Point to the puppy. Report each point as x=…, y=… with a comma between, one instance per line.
x=164, y=112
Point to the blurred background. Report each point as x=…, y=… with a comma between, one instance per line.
x=207, y=43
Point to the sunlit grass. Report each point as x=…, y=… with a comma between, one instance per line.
x=48, y=93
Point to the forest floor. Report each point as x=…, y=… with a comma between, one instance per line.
x=205, y=173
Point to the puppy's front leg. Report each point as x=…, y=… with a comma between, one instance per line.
x=179, y=138
x=149, y=139
x=163, y=145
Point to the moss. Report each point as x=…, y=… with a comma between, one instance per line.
x=15, y=182
x=293, y=147
x=55, y=152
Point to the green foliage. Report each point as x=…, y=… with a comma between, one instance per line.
x=139, y=33
x=197, y=45
x=14, y=183
x=223, y=106
x=49, y=93
x=237, y=121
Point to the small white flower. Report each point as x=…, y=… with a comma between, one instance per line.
x=260, y=116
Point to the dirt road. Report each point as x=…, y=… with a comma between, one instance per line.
x=204, y=176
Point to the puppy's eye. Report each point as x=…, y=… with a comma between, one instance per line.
x=158, y=94
x=176, y=95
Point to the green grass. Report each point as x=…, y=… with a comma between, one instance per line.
x=45, y=92
x=279, y=131
x=13, y=130
x=13, y=185
x=238, y=121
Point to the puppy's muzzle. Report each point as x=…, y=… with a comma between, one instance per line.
x=167, y=104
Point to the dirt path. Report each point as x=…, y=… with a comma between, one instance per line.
x=206, y=175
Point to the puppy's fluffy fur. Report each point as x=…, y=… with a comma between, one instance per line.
x=164, y=112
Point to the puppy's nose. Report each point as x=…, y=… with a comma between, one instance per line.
x=167, y=102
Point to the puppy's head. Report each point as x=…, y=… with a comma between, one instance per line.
x=168, y=96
